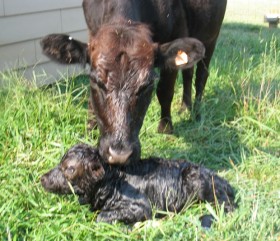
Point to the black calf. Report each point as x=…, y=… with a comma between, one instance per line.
x=128, y=193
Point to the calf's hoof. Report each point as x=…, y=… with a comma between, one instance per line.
x=165, y=126
x=206, y=221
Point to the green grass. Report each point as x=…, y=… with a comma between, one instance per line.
x=238, y=136
x=251, y=11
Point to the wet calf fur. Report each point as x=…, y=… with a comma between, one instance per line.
x=128, y=193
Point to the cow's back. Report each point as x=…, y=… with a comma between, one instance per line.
x=168, y=19
x=204, y=18
x=165, y=18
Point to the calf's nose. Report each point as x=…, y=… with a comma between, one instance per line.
x=118, y=156
x=44, y=180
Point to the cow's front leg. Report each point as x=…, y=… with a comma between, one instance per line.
x=165, y=92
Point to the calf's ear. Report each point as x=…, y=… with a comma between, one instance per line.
x=95, y=169
x=64, y=49
x=181, y=53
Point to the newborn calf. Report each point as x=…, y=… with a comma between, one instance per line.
x=128, y=193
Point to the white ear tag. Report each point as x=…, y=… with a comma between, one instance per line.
x=181, y=58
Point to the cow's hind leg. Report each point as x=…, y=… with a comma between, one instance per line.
x=201, y=78
x=165, y=92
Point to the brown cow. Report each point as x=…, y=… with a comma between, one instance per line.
x=128, y=39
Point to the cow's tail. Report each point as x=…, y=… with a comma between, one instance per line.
x=64, y=49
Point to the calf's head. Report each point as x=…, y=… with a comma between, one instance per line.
x=122, y=58
x=79, y=170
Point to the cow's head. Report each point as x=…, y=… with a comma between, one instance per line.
x=122, y=59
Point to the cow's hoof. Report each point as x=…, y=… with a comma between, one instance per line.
x=195, y=116
x=165, y=126
x=185, y=107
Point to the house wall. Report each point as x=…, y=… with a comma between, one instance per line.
x=24, y=22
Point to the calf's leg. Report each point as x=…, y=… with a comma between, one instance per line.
x=131, y=207
x=205, y=185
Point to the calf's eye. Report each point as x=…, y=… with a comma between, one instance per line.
x=70, y=170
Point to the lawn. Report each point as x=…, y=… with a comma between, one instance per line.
x=238, y=136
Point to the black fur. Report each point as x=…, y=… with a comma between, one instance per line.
x=128, y=193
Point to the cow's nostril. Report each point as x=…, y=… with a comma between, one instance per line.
x=118, y=157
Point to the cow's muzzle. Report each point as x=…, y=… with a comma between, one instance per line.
x=119, y=157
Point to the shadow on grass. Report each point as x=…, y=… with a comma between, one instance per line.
x=237, y=75
x=214, y=142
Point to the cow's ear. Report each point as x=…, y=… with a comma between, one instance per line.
x=64, y=49
x=181, y=53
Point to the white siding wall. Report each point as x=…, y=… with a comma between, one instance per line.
x=24, y=22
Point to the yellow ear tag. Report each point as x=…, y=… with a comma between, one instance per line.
x=181, y=58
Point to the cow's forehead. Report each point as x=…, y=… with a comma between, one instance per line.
x=121, y=49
